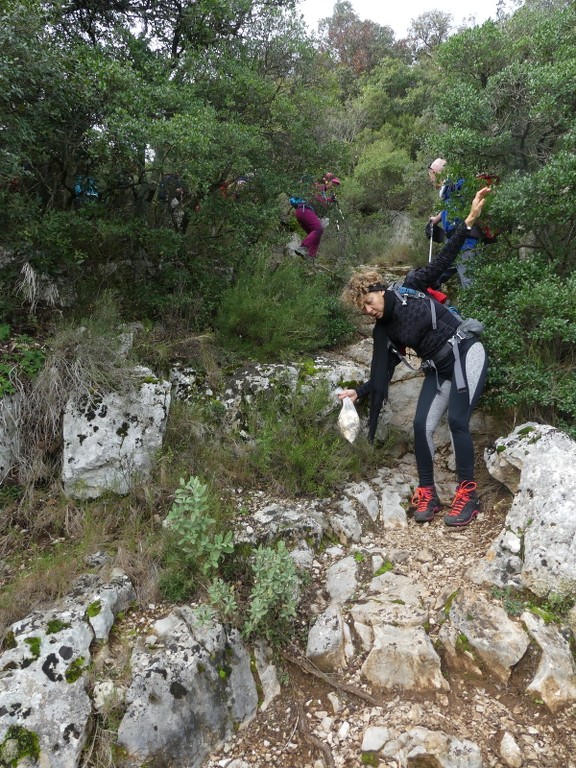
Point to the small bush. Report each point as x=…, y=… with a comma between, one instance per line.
x=86, y=360
x=297, y=447
x=530, y=332
x=21, y=358
x=177, y=581
x=274, y=597
x=271, y=313
x=552, y=608
x=198, y=539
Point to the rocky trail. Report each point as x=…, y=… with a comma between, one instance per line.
x=338, y=719
x=416, y=645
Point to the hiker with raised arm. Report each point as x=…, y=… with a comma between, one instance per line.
x=442, y=225
x=454, y=363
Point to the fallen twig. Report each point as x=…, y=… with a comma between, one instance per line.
x=313, y=741
x=308, y=667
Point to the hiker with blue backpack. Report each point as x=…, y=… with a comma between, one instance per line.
x=454, y=363
x=441, y=226
x=311, y=213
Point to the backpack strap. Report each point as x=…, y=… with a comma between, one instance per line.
x=402, y=357
x=467, y=329
x=403, y=293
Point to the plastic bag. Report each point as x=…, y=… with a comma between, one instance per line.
x=348, y=420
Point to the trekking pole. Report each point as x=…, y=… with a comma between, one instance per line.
x=343, y=220
x=339, y=214
x=431, y=241
x=349, y=232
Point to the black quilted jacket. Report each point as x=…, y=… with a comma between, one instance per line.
x=409, y=324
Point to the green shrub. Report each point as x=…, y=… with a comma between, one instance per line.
x=274, y=596
x=198, y=538
x=222, y=599
x=379, y=177
x=552, y=608
x=297, y=447
x=21, y=359
x=273, y=312
x=177, y=581
x=271, y=605
x=530, y=332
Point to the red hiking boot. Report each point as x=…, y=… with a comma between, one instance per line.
x=426, y=502
x=465, y=506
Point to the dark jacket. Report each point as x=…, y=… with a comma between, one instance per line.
x=409, y=324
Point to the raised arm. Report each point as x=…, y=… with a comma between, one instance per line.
x=425, y=277
x=477, y=205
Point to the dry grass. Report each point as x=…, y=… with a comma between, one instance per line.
x=46, y=539
x=89, y=361
x=44, y=575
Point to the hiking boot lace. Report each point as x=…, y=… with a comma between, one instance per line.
x=423, y=495
x=463, y=495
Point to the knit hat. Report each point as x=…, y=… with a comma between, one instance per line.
x=438, y=165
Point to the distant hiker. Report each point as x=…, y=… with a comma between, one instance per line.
x=310, y=209
x=443, y=224
x=435, y=169
x=172, y=192
x=171, y=189
x=454, y=364
x=85, y=190
x=233, y=189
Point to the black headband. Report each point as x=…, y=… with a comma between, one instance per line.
x=376, y=287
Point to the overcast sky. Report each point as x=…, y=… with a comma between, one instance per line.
x=399, y=13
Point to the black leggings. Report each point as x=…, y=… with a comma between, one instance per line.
x=433, y=404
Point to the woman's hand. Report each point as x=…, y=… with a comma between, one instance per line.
x=477, y=205
x=351, y=393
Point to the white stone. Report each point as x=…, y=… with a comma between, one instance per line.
x=103, y=693
x=325, y=647
x=374, y=738
x=510, y=752
x=111, y=444
x=341, y=581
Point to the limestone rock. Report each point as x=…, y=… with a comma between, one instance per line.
x=403, y=658
x=200, y=682
x=43, y=682
x=542, y=516
x=341, y=581
x=555, y=679
x=510, y=752
x=326, y=641
x=111, y=444
x=487, y=630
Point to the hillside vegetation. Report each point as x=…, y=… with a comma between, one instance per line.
x=126, y=127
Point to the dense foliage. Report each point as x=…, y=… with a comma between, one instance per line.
x=127, y=125
x=508, y=108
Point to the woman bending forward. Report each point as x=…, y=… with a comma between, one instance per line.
x=454, y=362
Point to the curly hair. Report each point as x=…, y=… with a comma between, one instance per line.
x=358, y=285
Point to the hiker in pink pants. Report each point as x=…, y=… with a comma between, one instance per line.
x=311, y=224
x=307, y=211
